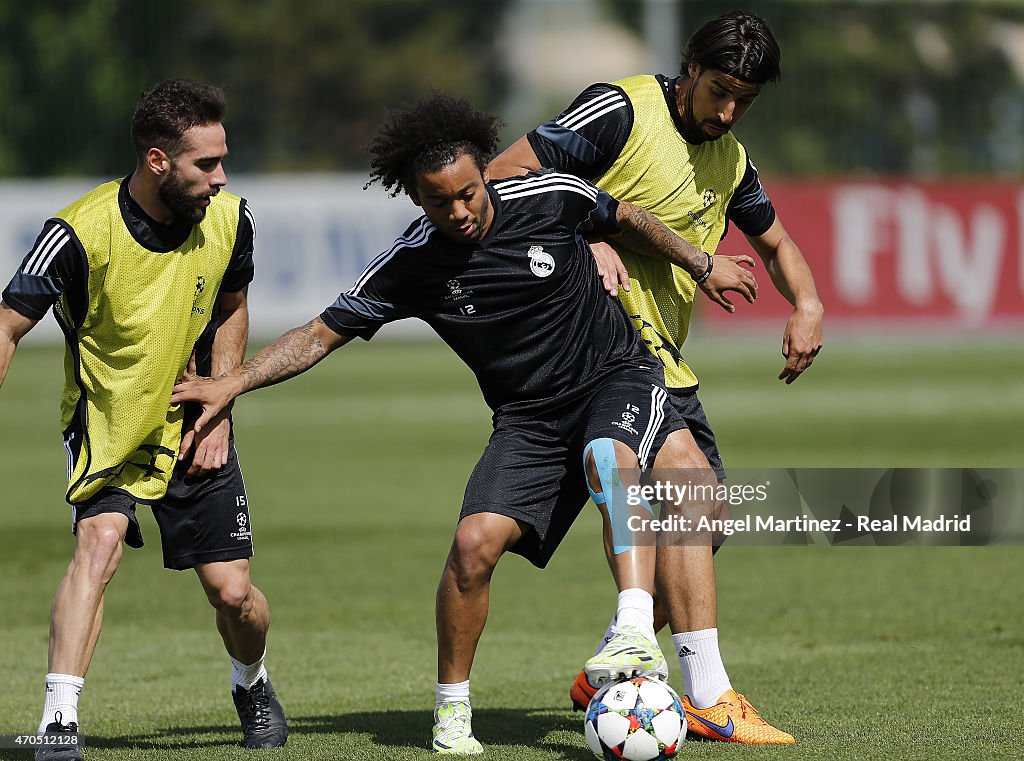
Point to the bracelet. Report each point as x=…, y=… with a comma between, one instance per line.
x=707, y=272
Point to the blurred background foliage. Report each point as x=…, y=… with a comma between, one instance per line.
x=869, y=87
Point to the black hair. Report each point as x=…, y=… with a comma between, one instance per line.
x=431, y=134
x=166, y=112
x=737, y=43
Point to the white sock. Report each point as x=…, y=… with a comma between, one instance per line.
x=246, y=676
x=704, y=677
x=62, y=691
x=451, y=693
x=636, y=608
x=607, y=635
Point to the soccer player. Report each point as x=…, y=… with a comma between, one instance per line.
x=143, y=275
x=666, y=144
x=503, y=275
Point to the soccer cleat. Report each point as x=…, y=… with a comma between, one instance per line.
x=263, y=721
x=732, y=719
x=581, y=692
x=627, y=653
x=60, y=752
x=453, y=730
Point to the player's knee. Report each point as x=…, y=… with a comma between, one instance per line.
x=475, y=553
x=682, y=453
x=232, y=596
x=99, y=547
x=606, y=461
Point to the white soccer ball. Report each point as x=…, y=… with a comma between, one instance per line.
x=635, y=720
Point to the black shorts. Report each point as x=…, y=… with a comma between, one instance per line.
x=532, y=468
x=201, y=520
x=689, y=407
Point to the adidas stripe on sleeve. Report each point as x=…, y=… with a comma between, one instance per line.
x=375, y=299
x=53, y=265
x=583, y=205
x=587, y=137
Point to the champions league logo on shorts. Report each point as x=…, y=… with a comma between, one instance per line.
x=243, y=534
x=628, y=418
x=542, y=263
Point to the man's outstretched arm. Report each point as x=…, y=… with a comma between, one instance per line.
x=291, y=354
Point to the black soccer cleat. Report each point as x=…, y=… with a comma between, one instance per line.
x=60, y=752
x=263, y=721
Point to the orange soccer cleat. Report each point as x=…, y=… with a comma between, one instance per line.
x=732, y=719
x=581, y=692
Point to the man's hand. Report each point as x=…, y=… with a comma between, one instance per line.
x=728, y=275
x=610, y=267
x=212, y=446
x=215, y=396
x=801, y=341
x=792, y=278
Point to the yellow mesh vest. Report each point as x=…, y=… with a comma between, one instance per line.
x=146, y=311
x=688, y=187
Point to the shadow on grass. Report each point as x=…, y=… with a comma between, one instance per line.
x=171, y=738
x=408, y=730
x=492, y=726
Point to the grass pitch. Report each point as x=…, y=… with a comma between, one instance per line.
x=355, y=475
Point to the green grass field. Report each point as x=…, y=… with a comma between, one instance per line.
x=355, y=475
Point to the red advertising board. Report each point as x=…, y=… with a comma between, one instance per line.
x=901, y=254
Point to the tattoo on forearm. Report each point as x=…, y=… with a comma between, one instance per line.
x=293, y=353
x=642, y=230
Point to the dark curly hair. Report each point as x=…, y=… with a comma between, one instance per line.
x=172, y=107
x=431, y=134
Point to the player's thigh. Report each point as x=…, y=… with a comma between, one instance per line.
x=108, y=517
x=519, y=473
x=680, y=451
x=205, y=519
x=632, y=409
x=526, y=474
x=688, y=405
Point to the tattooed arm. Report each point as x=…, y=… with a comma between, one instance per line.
x=641, y=231
x=293, y=353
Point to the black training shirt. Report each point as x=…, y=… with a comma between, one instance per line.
x=524, y=307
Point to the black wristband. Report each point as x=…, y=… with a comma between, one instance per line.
x=707, y=272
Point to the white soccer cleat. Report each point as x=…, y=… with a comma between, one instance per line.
x=453, y=730
x=627, y=653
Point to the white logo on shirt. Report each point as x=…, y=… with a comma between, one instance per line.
x=457, y=291
x=542, y=263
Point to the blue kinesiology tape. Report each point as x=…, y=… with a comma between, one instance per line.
x=613, y=494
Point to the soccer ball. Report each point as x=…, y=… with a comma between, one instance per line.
x=635, y=720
